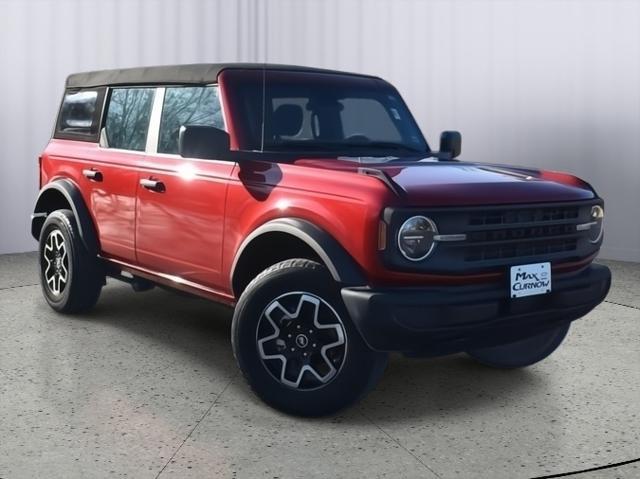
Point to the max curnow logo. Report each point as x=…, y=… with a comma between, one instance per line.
x=524, y=281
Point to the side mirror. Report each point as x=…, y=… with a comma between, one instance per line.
x=204, y=142
x=451, y=143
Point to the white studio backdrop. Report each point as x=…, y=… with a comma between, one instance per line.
x=544, y=83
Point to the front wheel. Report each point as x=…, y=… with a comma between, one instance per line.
x=522, y=353
x=296, y=345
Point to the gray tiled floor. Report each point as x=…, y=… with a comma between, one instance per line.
x=146, y=385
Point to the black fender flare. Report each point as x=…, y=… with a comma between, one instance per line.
x=73, y=197
x=342, y=267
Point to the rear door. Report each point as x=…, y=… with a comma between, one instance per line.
x=181, y=201
x=113, y=173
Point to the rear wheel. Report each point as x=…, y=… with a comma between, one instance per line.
x=70, y=277
x=522, y=353
x=296, y=345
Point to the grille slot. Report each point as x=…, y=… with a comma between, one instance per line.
x=520, y=249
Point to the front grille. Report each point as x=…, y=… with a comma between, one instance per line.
x=529, y=215
x=519, y=234
x=498, y=236
x=524, y=232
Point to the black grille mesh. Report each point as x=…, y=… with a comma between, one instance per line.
x=497, y=235
x=529, y=215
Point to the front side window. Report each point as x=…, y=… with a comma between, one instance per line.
x=128, y=115
x=187, y=106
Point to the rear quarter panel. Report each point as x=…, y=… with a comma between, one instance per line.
x=111, y=202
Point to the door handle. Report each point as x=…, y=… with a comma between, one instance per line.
x=153, y=185
x=93, y=174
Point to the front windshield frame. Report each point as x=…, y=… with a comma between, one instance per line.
x=251, y=94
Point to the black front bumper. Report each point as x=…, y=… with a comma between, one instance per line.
x=442, y=320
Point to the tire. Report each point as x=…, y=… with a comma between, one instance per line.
x=71, y=279
x=295, y=344
x=522, y=353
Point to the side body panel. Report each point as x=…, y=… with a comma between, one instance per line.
x=179, y=232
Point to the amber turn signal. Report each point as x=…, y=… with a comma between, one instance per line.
x=382, y=236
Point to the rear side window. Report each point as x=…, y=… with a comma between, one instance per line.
x=79, y=115
x=187, y=106
x=128, y=115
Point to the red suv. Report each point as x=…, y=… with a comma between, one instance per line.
x=310, y=201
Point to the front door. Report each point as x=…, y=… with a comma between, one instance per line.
x=181, y=201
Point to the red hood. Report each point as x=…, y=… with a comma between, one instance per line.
x=441, y=183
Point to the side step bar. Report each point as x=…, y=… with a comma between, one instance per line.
x=137, y=283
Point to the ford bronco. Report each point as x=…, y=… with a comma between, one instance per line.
x=309, y=201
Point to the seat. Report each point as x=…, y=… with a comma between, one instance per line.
x=286, y=120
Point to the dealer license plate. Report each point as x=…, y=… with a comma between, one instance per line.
x=530, y=279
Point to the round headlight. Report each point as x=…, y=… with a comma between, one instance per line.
x=597, y=217
x=415, y=238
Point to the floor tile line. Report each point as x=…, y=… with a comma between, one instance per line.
x=623, y=305
x=19, y=286
x=401, y=446
x=206, y=413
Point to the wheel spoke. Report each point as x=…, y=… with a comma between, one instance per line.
x=47, y=274
x=274, y=336
x=56, y=239
x=63, y=274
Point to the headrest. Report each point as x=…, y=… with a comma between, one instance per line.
x=287, y=120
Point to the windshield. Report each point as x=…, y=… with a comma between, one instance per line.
x=341, y=115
